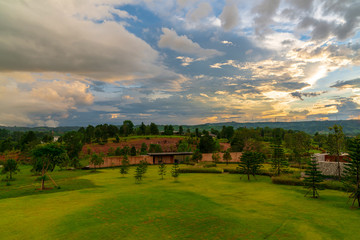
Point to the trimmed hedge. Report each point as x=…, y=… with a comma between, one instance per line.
x=287, y=180
x=293, y=181
x=200, y=170
x=238, y=171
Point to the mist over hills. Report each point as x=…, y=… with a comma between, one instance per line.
x=350, y=127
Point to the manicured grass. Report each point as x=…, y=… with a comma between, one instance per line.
x=104, y=205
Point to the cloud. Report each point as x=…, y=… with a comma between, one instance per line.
x=229, y=16
x=300, y=95
x=73, y=37
x=42, y=102
x=354, y=83
x=264, y=16
x=202, y=11
x=183, y=44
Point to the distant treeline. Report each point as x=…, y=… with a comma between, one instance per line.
x=350, y=127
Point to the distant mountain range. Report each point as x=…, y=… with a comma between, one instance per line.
x=350, y=127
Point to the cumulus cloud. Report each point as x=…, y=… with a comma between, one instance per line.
x=73, y=37
x=202, y=11
x=264, y=16
x=229, y=16
x=182, y=44
x=41, y=103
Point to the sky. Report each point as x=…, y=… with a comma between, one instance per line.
x=81, y=62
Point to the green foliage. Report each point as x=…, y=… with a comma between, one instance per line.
x=154, y=129
x=278, y=161
x=155, y=148
x=352, y=171
x=200, y=170
x=313, y=178
x=46, y=157
x=144, y=166
x=336, y=144
x=168, y=130
x=143, y=149
x=127, y=128
x=287, y=179
x=251, y=163
x=162, y=170
x=125, y=165
x=73, y=142
x=96, y=160
x=207, y=144
x=111, y=152
x=10, y=166
x=118, y=151
x=133, y=151
x=196, y=156
x=175, y=171
x=227, y=157
x=215, y=157
x=139, y=172
x=184, y=146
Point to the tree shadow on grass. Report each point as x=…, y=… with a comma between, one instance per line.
x=64, y=186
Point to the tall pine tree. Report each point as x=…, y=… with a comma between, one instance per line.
x=352, y=171
x=313, y=178
x=278, y=161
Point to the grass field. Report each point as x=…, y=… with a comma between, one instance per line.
x=104, y=205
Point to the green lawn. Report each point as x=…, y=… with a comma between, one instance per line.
x=104, y=205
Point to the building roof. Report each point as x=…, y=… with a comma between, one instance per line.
x=170, y=153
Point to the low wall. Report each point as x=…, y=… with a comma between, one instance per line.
x=330, y=168
x=116, y=161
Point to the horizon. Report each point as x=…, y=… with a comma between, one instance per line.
x=178, y=62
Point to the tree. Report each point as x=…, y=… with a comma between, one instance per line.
x=46, y=157
x=96, y=160
x=196, y=156
x=125, y=165
x=299, y=143
x=336, y=144
x=181, y=130
x=162, y=170
x=143, y=149
x=215, y=157
x=138, y=174
x=352, y=171
x=250, y=163
x=154, y=129
x=73, y=142
x=127, y=128
x=133, y=151
x=10, y=166
x=278, y=161
x=227, y=157
x=313, y=178
x=183, y=146
x=175, y=171
x=143, y=165
x=155, y=148
x=207, y=144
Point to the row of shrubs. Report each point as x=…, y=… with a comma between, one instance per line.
x=200, y=170
x=294, y=181
x=238, y=171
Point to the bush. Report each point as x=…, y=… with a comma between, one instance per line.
x=287, y=180
x=334, y=185
x=200, y=170
x=207, y=164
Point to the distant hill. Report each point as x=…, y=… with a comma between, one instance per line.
x=350, y=127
